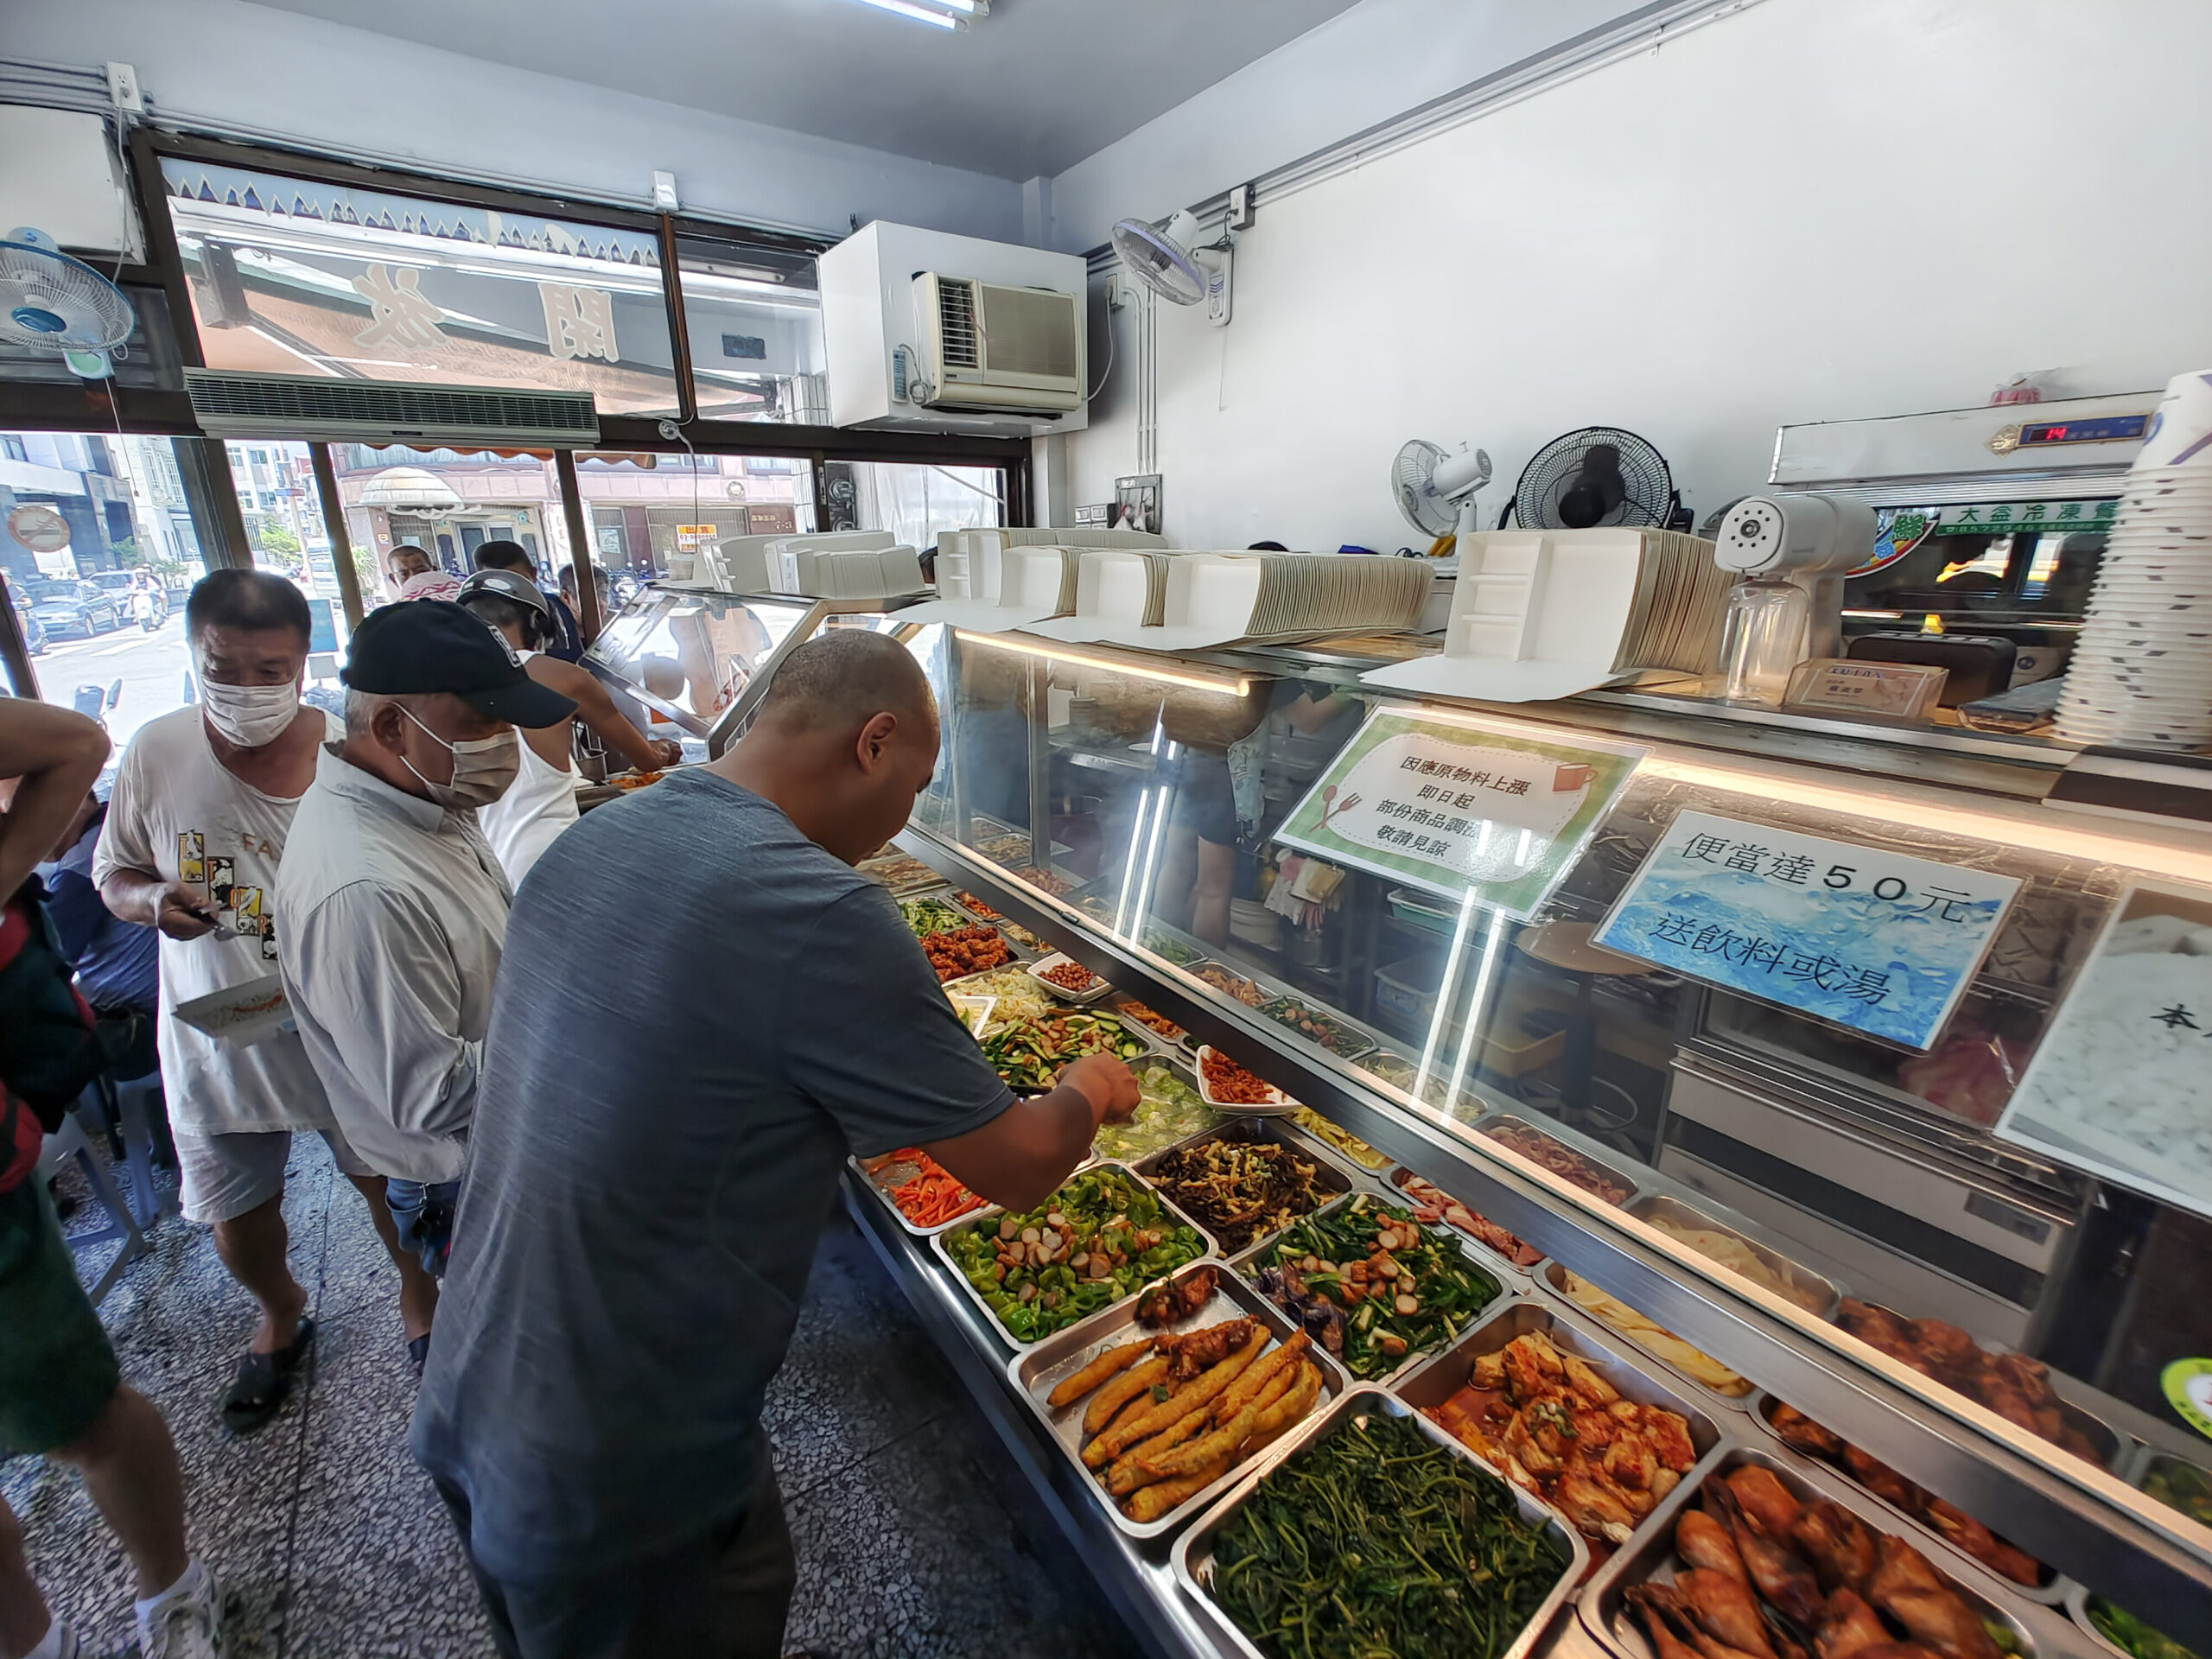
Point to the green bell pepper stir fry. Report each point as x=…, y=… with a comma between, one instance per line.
x=1103, y=1236
x=1377, y=1540
x=2126, y=1631
x=1371, y=1285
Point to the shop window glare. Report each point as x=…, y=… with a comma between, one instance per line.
x=654, y=516
x=754, y=319
x=304, y=277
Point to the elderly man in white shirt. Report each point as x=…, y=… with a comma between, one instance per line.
x=395, y=907
x=203, y=804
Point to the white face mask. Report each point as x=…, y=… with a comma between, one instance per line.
x=248, y=715
x=482, y=767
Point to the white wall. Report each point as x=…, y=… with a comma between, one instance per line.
x=1807, y=210
x=1363, y=66
x=256, y=71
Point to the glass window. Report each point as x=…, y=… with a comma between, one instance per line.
x=692, y=653
x=447, y=502
x=97, y=545
x=913, y=501
x=755, y=319
x=652, y=514
x=302, y=277
x=147, y=360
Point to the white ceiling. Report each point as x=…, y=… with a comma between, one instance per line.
x=1033, y=88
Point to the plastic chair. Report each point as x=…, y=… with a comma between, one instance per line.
x=69, y=1142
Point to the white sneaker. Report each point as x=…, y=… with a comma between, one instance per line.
x=185, y=1623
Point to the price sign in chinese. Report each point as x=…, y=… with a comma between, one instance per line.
x=2121, y=1084
x=1878, y=941
x=1461, y=808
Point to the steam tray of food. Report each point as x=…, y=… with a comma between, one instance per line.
x=1560, y=1413
x=1373, y=1531
x=1247, y=1181
x=961, y=951
x=1372, y=1286
x=1745, y=1257
x=1102, y=1238
x=1957, y=1529
x=926, y=1197
x=1431, y=1203
x=1029, y=1053
x=1162, y=1399
x=1600, y=1181
x=1169, y=1109
x=1068, y=979
x=1764, y=1561
x=1650, y=1335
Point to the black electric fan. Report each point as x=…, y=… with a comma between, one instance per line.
x=1597, y=478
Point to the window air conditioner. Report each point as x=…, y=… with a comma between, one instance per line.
x=988, y=347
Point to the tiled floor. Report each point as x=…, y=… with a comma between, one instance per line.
x=913, y=1538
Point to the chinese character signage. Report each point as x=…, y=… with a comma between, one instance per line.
x=2121, y=1084
x=2013, y=517
x=1880, y=942
x=1460, y=809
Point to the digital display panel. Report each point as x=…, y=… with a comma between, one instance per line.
x=2105, y=428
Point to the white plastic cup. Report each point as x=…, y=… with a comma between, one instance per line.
x=2180, y=425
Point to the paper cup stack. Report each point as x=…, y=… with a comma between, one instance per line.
x=2142, y=671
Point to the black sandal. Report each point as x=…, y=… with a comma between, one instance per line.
x=257, y=1392
x=418, y=1353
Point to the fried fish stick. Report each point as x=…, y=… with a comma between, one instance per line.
x=1124, y=1478
x=1151, y=1502
x=1094, y=1455
x=1107, y=1364
x=1110, y=1398
x=1292, y=1406
x=1225, y=1440
x=1185, y=1400
x=1256, y=1375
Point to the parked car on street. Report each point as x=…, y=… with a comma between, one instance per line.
x=73, y=608
x=34, y=630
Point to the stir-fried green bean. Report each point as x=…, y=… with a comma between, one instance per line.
x=1376, y=1543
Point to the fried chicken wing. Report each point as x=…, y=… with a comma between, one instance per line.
x=1942, y=1621
x=1704, y=1542
x=1969, y=1536
x=1724, y=1610
x=1801, y=1433
x=1838, y=1543
x=1765, y=1498
x=1654, y=1608
x=1899, y=1566
x=1849, y=1629
x=1775, y=1572
x=1883, y=1481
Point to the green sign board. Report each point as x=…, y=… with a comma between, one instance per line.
x=2018, y=517
x=1464, y=809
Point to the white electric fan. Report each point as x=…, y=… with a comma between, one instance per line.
x=1166, y=260
x=51, y=303
x=1436, y=491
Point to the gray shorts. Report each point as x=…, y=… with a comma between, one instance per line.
x=225, y=1175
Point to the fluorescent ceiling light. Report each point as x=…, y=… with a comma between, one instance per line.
x=943, y=14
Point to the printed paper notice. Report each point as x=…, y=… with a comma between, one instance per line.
x=1460, y=809
x=1880, y=942
x=2121, y=1084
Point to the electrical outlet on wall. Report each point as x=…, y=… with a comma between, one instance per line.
x=123, y=89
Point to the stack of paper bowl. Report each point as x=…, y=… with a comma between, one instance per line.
x=2142, y=669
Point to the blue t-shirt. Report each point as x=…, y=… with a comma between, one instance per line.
x=700, y=1014
x=117, y=962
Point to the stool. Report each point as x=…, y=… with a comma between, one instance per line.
x=127, y=1107
x=69, y=1142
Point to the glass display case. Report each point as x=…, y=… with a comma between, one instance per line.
x=701, y=658
x=1820, y=1210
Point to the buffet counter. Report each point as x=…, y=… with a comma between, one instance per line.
x=1567, y=1083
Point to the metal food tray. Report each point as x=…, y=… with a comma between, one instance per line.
x=1186, y=1046
x=1178, y=1066
x=1396, y=1179
x=2148, y=1459
x=883, y=1193
x=2050, y=1594
x=2113, y=1448
x=1604, y=1610
x=1100, y=986
x=2077, y=1609
x=941, y=1243
x=1549, y=1276
x=1485, y=1127
x=1065, y=1352
x=1816, y=1292
x=1361, y=1044
x=908, y=888
x=1246, y=1262
x=1443, y=1376
x=1335, y=1178
x=1192, y=1560
x=1267, y=992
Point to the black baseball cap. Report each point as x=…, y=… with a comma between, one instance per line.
x=433, y=645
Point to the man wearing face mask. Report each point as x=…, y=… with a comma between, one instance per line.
x=395, y=907
x=202, y=806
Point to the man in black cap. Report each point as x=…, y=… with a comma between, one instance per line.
x=395, y=908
